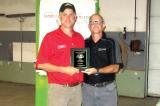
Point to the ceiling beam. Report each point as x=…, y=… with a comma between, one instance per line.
x=1, y=14
x=20, y=15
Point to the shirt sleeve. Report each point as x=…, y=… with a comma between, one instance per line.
x=118, y=54
x=44, y=51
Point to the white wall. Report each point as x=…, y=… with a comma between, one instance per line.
x=28, y=52
x=17, y=7
x=120, y=13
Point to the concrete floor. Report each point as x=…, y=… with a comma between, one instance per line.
x=148, y=101
x=12, y=94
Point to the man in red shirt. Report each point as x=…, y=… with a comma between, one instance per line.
x=54, y=58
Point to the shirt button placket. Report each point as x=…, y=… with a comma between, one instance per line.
x=72, y=43
x=95, y=53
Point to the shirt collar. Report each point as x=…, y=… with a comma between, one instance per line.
x=103, y=37
x=63, y=34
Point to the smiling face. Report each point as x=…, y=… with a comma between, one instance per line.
x=96, y=24
x=67, y=18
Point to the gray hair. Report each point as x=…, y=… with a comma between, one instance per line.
x=96, y=14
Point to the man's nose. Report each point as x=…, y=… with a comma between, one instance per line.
x=68, y=17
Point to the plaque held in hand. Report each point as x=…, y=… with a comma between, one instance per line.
x=80, y=58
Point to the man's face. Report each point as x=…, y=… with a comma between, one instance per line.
x=96, y=25
x=67, y=18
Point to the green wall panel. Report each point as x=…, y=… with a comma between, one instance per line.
x=13, y=72
x=131, y=83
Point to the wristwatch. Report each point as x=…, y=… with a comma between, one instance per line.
x=97, y=70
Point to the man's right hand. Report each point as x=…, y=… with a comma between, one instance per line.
x=51, y=68
x=70, y=70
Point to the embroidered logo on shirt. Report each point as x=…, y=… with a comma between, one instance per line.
x=101, y=49
x=61, y=46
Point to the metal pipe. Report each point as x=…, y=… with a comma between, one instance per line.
x=21, y=20
x=135, y=19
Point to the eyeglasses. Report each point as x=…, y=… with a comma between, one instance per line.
x=96, y=22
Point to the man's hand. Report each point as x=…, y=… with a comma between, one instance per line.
x=53, y=68
x=90, y=71
x=70, y=70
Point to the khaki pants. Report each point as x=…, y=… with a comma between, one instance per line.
x=60, y=95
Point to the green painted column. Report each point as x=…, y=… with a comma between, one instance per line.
x=41, y=90
x=97, y=7
x=41, y=83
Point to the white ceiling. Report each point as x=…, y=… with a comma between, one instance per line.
x=9, y=7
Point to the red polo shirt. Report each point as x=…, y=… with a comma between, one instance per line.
x=55, y=49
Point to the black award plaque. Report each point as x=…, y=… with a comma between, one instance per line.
x=80, y=58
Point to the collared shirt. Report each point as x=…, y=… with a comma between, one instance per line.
x=102, y=53
x=55, y=49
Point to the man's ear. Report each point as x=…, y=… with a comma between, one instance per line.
x=59, y=16
x=75, y=18
x=58, y=20
x=89, y=26
x=104, y=27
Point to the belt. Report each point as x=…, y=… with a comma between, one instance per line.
x=102, y=84
x=72, y=85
